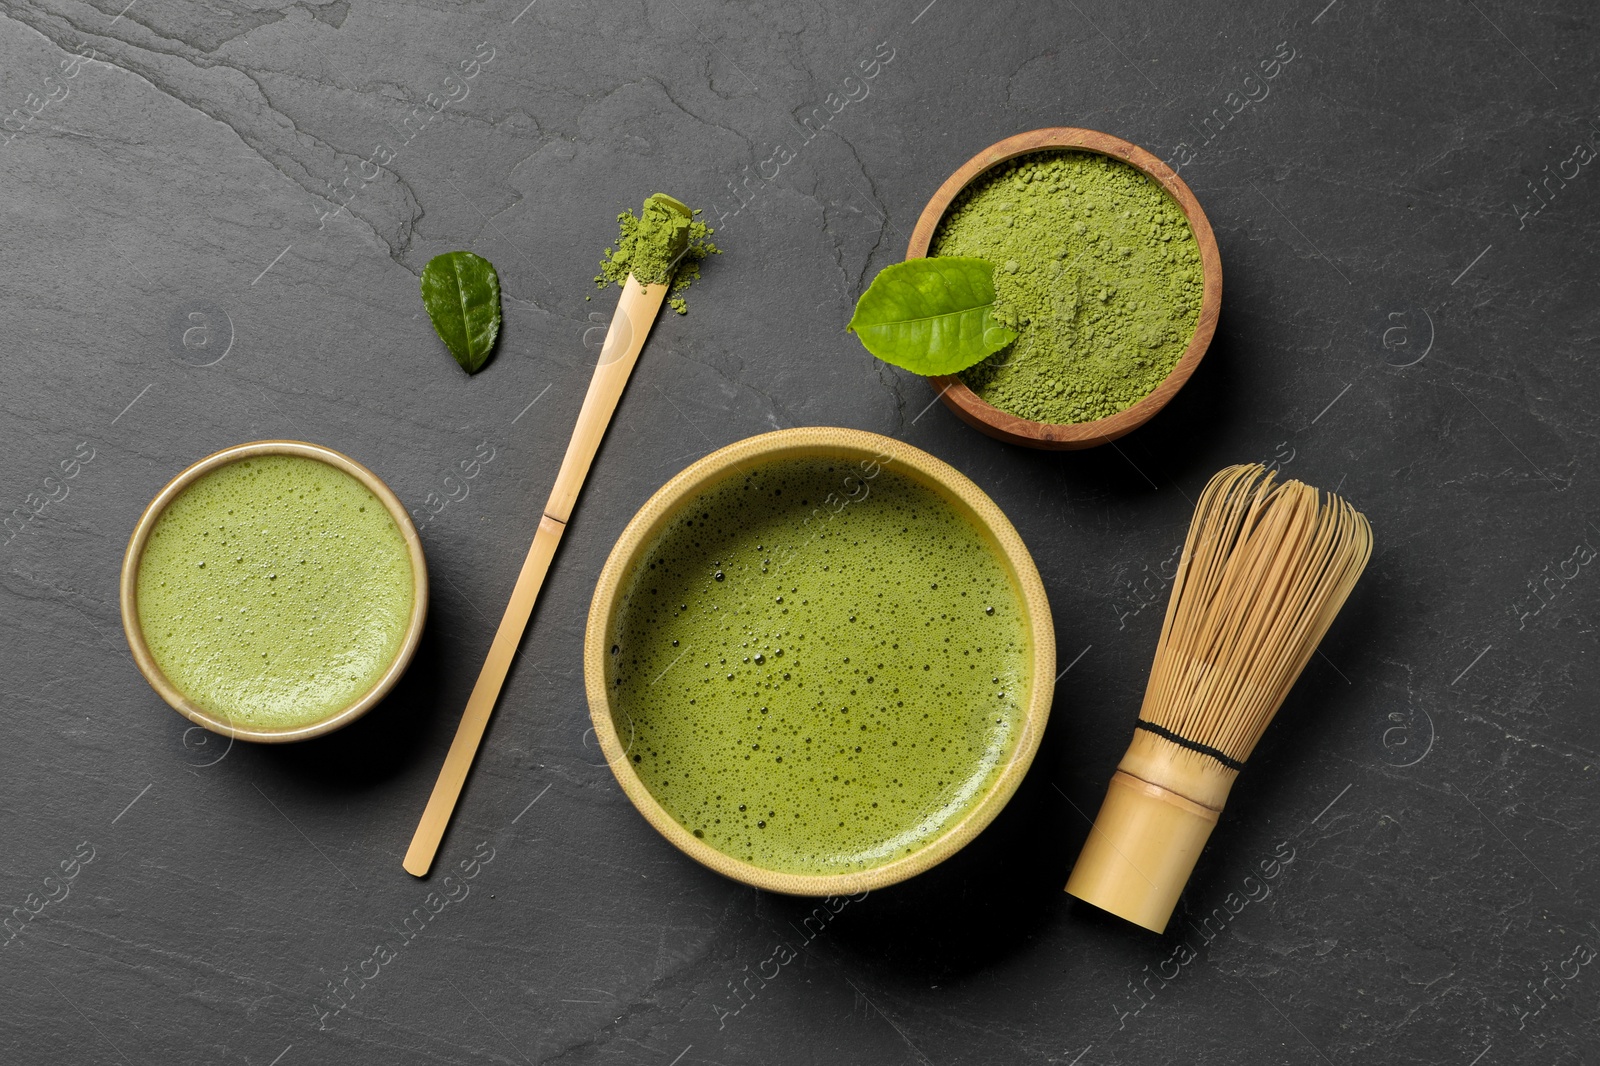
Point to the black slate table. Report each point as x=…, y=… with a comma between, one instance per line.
x=215, y=216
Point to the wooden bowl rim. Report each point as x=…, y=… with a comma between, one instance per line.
x=1003, y=425
x=809, y=441
x=134, y=556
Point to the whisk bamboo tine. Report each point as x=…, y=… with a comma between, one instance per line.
x=1266, y=567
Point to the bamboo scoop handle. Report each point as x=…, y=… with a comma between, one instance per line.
x=636, y=313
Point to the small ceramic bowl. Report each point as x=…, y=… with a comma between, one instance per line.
x=1003, y=425
x=851, y=445
x=146, y=662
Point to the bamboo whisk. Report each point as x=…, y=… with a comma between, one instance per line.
x=1264, y=571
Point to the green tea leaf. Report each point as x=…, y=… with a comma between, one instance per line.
x=462, y=294
x=931, y=316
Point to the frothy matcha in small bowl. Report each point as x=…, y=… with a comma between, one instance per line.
x=819, y=661
x=274, y=591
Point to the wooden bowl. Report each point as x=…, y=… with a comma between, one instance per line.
x=159, y=681
x=851, y=445
x=1003, y=425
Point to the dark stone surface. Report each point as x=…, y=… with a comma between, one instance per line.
x=1391, y=326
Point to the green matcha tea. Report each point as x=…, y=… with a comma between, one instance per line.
x=820, y=670
x=275, y=591
x=1096, y=268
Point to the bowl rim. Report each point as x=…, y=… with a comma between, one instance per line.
x=808, y=441
x=134, y=556
x=1003, y=425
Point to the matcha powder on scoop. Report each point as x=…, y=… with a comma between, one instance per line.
x=663, y=242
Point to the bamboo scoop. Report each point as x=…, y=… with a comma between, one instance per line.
x=636, y=313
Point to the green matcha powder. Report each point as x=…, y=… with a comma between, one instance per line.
x=649, y=243
x=1096, y=269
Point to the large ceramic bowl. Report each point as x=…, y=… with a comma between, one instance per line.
x=613, y=724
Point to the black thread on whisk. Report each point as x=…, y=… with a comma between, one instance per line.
x=1193, y=745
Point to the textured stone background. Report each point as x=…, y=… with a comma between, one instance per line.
x=1398, y=322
